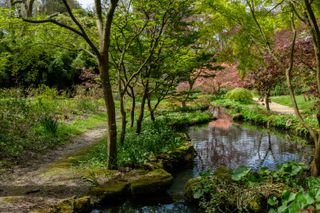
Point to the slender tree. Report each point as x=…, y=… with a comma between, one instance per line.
x=104, y=18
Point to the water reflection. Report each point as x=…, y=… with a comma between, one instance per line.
x=239, y=145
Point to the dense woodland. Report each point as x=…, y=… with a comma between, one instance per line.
x=146, y=69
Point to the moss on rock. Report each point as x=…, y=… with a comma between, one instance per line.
x=111, y=191
x=154, y=181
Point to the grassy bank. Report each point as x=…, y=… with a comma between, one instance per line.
x=36, y=123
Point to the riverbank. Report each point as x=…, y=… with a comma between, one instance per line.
x=259, y=116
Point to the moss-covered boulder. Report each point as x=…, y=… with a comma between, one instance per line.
x=190, y=189
x=154, y=181
x=113, y=191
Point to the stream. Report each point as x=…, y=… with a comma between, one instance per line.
x=222, y=143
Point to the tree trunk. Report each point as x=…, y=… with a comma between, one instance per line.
x=267, y=100
x=123, y=119
x=141, y=115
x=29, y=8
x=133, y=106
x=151, y=110
x=315, y=164
x=111, y=112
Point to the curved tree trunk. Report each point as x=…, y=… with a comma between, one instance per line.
x=143, y=102
x=315, y=164
x=111, y=112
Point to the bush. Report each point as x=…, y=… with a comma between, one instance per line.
x=240, y=94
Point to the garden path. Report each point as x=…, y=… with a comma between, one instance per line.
x=277, y=107
x=46, y=179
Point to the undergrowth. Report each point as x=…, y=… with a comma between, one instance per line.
x=156, y=137
x=41, y=120
x=287, y=189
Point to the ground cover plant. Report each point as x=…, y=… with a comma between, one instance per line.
x=287, y=189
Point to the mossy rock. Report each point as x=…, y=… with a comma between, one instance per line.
x=190, y=188
x=65, y=207
x=110, y=192
x=82, y=204
x=155, y=181
x=152, y=166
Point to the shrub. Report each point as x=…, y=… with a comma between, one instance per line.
x=240, y=94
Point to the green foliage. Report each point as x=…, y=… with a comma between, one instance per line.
x=33, y=124
x=32, y=55
x=240, y=94
x=181, y=119
x=240, y=173
x=156, y=137
x=287, y=189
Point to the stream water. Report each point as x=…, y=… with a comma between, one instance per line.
x=220, y=143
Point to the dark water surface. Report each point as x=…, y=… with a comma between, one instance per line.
x=230, y=145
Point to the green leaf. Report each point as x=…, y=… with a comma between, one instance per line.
x=272, y=201
x=240, y=173
x=282, y=208
x=272, y=211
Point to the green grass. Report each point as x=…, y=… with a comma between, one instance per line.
x=35, y=124
x=305, y=106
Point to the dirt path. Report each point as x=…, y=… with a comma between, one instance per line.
x=277, y=107
x=45, y=180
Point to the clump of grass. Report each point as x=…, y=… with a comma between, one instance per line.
x=50, y=124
